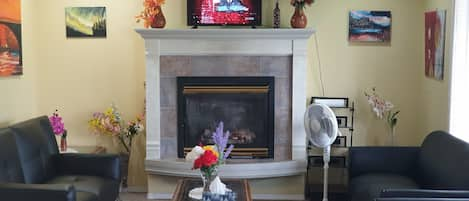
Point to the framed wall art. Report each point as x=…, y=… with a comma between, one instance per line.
x=369, y=26
x=11, y=54
x=85, y=22
x=435, y=43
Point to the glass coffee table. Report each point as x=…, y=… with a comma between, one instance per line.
x=239, y=186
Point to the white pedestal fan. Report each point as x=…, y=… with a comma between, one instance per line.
x=321, y=128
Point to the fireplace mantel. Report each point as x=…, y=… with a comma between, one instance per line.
x=226, y=42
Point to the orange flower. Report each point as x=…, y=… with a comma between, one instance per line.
x=150, y=9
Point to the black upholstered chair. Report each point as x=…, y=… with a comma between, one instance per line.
x=437, y=170
x=32, y=169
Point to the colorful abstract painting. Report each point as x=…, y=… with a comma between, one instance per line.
x=435, y=44
x=369, y=26
x=85, y=22
x=11, y=55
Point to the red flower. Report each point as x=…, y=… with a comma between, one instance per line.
x=205, y=160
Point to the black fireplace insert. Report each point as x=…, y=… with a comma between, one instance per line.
x=244, y=104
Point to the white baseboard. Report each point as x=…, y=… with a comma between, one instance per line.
x=159, y=196
x=168, y=196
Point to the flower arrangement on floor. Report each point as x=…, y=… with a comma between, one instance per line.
x=383, y=108
x=110, y=123
x=208, y=158
x=58, y=128
x=151, y=9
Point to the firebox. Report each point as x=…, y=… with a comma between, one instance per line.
x=244, y=104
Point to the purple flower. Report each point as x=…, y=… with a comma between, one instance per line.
x=57, y=124
x=228, y=151
x=221, y=141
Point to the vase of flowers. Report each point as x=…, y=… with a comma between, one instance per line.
x=110, y=123
x=384, y=109
x=208, y=158
x=152, y=15
x=299, y=20
x=59, y=129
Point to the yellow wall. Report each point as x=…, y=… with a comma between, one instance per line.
x=81, y=76
x=351, y=68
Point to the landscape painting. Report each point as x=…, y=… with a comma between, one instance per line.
x=11, y=55
x=435, y=44
x=369, y=26
x=85, y=22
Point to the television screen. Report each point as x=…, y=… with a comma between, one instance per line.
x=224, y=12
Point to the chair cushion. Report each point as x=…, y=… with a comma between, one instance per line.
x=367, y=187
x=10, y=166
x=86, y=196
x=443, y=162
x=104, y=189
x=36, y=147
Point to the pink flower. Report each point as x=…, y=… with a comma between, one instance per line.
x=56, y=123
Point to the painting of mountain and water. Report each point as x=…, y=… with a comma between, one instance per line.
x=369, y=26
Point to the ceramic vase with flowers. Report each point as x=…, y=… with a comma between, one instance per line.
x=59, y=129
x=299, y=20
x=110, y=123
x=384, y=109
x=152, y=14
x=207, y=159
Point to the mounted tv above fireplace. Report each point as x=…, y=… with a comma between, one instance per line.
x=224, y=12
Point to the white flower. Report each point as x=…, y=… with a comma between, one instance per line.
x=195, y=153
x=140, y=127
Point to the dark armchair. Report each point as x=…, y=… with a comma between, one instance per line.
x=438, y=170
x=31, y=168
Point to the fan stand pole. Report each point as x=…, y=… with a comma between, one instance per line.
x=326, y=158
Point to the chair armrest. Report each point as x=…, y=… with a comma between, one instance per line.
x=103, y=165
x=421, y=199
x=392, y=160
x=424, y=193
x=28, y=192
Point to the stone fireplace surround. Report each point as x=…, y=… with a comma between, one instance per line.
x=227, y=52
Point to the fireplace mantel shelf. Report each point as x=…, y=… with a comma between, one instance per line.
x=226, y=34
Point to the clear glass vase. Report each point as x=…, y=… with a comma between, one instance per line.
x=392, y=134
x=207, y=178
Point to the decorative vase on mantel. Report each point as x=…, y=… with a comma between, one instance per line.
x=298, y=20
x=276, y=16
x=159, y=21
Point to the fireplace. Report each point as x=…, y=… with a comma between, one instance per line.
x=244, y=104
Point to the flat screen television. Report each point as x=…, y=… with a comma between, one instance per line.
x=224, y=12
